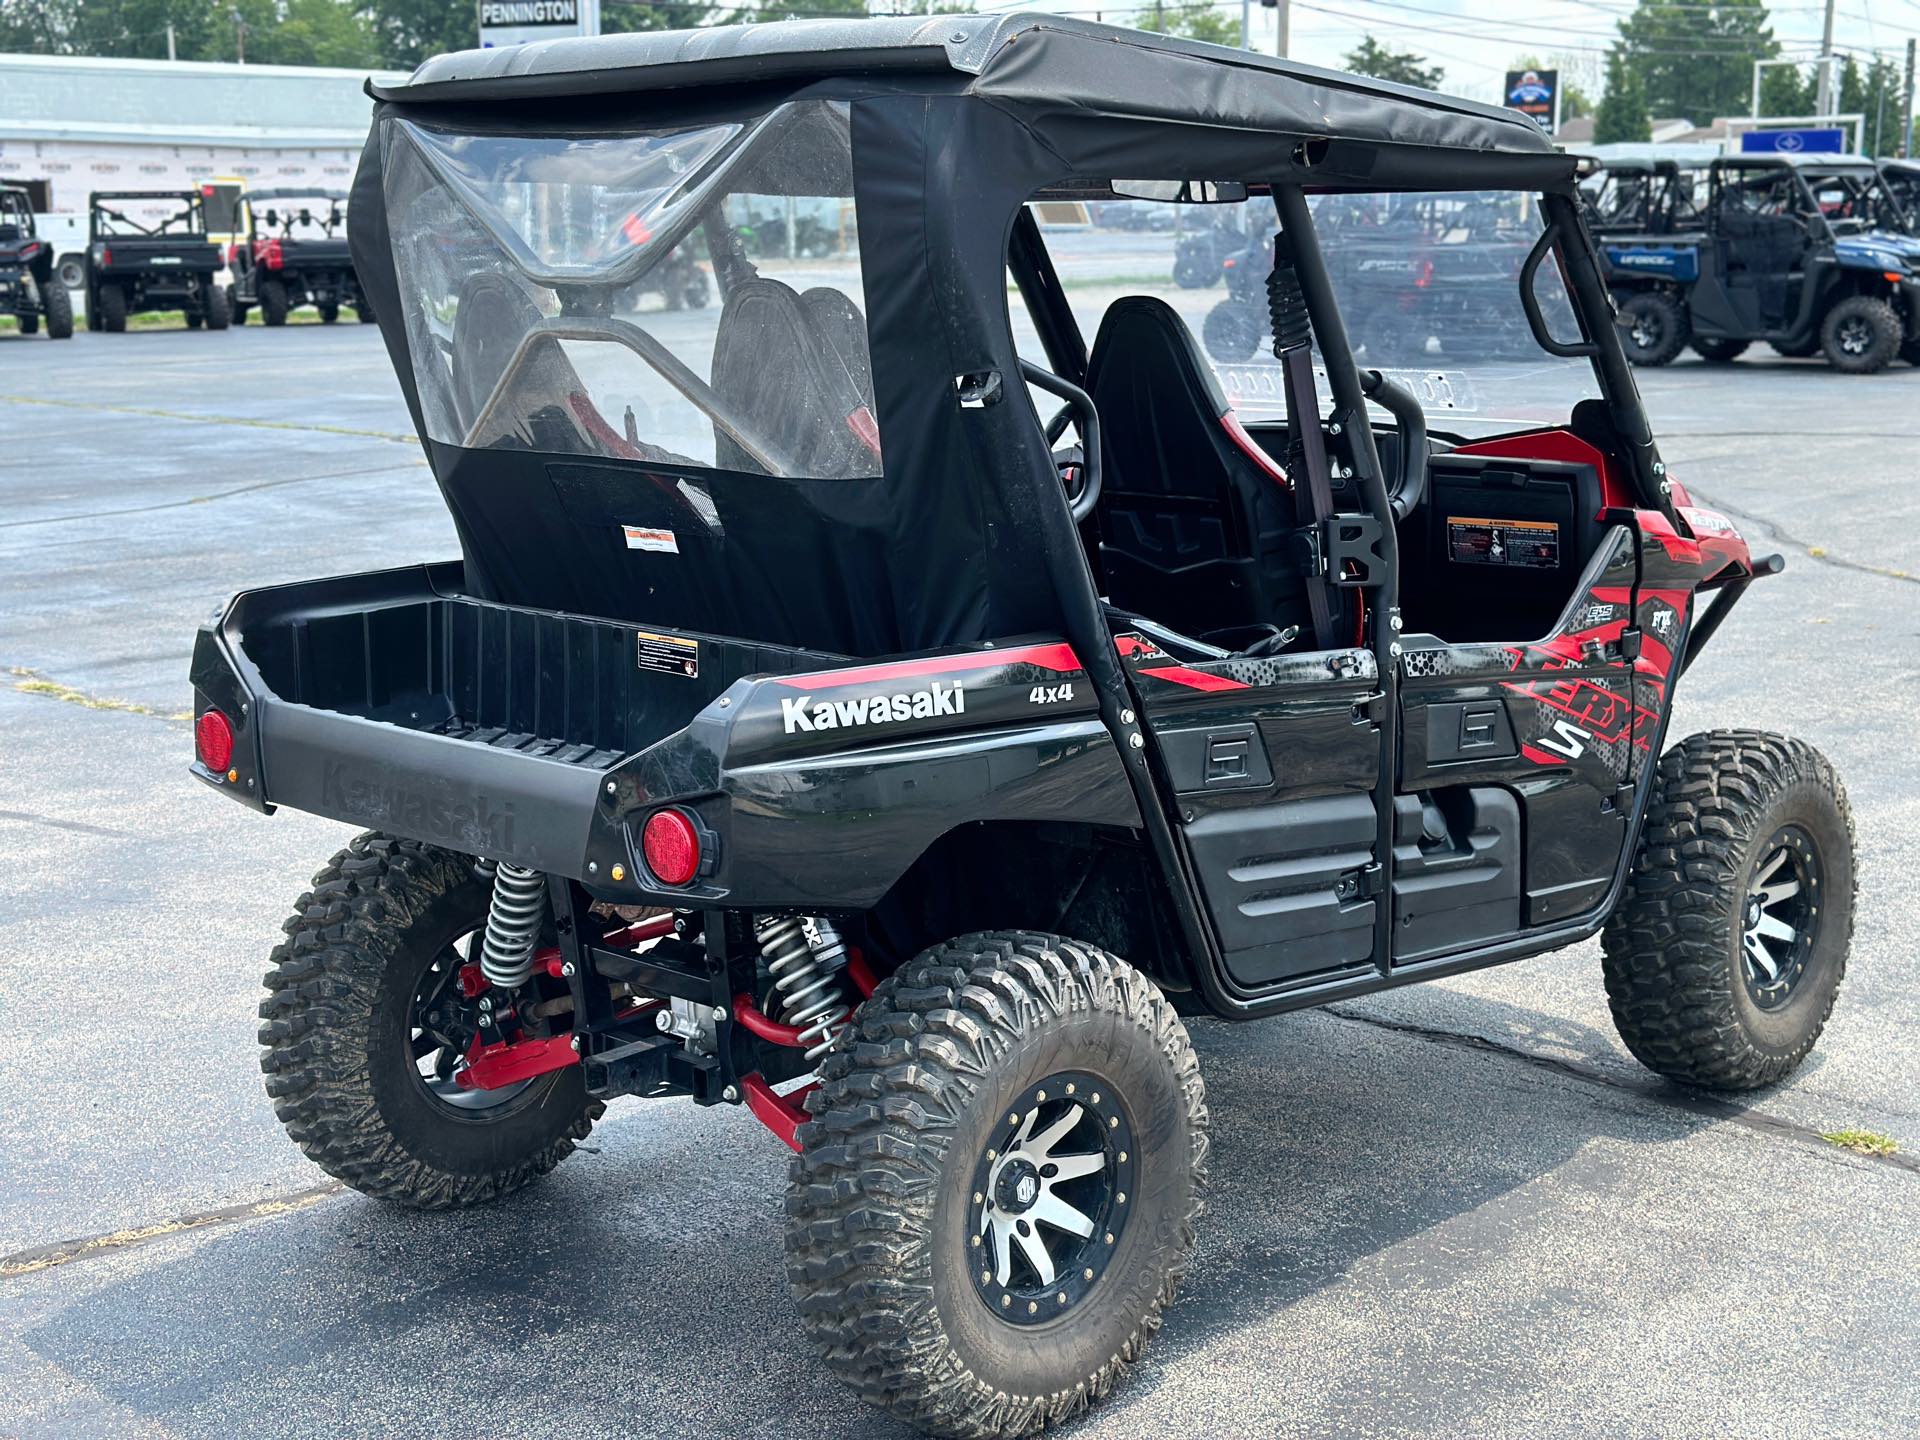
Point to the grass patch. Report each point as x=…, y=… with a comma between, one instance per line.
x=30, y=682
x=1862, y=1142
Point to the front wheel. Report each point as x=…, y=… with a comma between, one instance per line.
x=998, y=1191
x=1861, y=335
x=273, y=302
x=1728, y=948
x=113, y=310
x=1653, y=328
x=219, y=313
x=367, y=1024
x=329, y=314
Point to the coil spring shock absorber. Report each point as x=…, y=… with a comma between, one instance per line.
x=807, y=956
x=513, y=925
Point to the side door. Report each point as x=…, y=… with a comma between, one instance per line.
x=1519, y=735
x=1273, y=764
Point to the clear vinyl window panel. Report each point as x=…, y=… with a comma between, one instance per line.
x=689, y=297
x=1428, y=286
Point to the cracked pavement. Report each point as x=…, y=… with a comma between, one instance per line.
x=1453, y=1209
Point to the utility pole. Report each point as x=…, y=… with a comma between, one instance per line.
x=240, y=36
x=1906, y=110
x=170, y=54
x=1283, y=24
x=1824, y=105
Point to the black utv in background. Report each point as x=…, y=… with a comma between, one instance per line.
x=28, y=287
x=159, y=258
x=293, y=252
x=1641, y=197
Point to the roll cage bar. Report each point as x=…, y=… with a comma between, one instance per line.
x=193, y=211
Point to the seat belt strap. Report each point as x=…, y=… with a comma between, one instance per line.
x=1307, y=450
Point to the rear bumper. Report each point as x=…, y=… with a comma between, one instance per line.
x=393, y=702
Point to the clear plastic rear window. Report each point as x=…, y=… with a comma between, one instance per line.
x=689, y=296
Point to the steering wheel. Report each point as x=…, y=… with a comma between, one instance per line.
x=1078, y=409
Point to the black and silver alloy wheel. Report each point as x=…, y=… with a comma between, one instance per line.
x=1729, y=945
x=1854, y=334
x=996, y=1195
x=1782, y=917
x=1051, y=1197
x=366, y=1029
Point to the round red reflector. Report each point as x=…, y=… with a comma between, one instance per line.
x=213, y=738
x=672, y=847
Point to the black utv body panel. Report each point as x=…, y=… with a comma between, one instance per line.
x=393, y=701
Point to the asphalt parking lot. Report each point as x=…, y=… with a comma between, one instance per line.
x=1455, y=1210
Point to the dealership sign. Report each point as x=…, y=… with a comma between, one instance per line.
x=514, y=22
x=1535, y=94
x=1818, y=140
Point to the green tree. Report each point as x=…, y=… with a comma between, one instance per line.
x=1694, y=59
x=408, y=31
x=1622, y=116
x=1786, y=90
x=300, y=32
x=1191, y=22
x=1403, y=67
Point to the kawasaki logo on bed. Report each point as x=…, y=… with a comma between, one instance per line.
x=804, y=713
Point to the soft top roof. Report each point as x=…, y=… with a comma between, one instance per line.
x=1792, y=160
x=1035, y=62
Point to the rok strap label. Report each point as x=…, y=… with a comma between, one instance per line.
x=669, y=654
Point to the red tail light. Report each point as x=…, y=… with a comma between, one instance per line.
x=671, y=845
x=267, y=252
x=213, y=739
x=1423, y=275
x=106, y=255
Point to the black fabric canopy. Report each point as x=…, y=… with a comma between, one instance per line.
x=1059, y=73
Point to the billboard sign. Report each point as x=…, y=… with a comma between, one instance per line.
x=515, y=22
x=1818, y=140
x=1535, y=94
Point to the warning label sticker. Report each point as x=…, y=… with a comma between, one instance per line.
x=1530, y=544
x=671, y=654
x=645, y=537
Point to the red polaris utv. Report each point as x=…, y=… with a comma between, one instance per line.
x=808, y=725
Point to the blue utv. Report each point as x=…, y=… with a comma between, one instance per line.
x=1769, y=263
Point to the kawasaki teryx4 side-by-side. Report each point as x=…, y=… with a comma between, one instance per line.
x=1770, y=262
x=148, y=250
x=293, y=252
x=812, y=723
x=29, y=289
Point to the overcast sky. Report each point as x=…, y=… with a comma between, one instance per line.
x=1476, y=40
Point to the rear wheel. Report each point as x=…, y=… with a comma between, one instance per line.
x=1652, y=328
x=365, y=312
x=29, y=324
x=1719, y=352
x=1728, y=948
x=329, y=314
x=997, y=1195
x=219, y=313
x=1861, y=335
x=113, y=309
x=273, y=302
x=1231, y=333
x=364, y=1044
x=59, y=311
x=193, y=319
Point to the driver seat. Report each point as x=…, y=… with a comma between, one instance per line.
x=1193, y=522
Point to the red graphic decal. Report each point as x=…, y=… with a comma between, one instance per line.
x=1057, y=656
x=1605, y=716
x=1250, y=447
x=1678, y=547
x=1194, y=679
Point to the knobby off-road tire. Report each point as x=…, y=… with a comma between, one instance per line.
x=1724, y=804
x=59, y=310
x=219, y=309
x=1861, y=335
x=1653, y=329
x=884, y=1217
x=335, y=1025
x=113, y=310
x=273, y=302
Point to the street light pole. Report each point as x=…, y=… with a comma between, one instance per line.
x=1824, y=105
